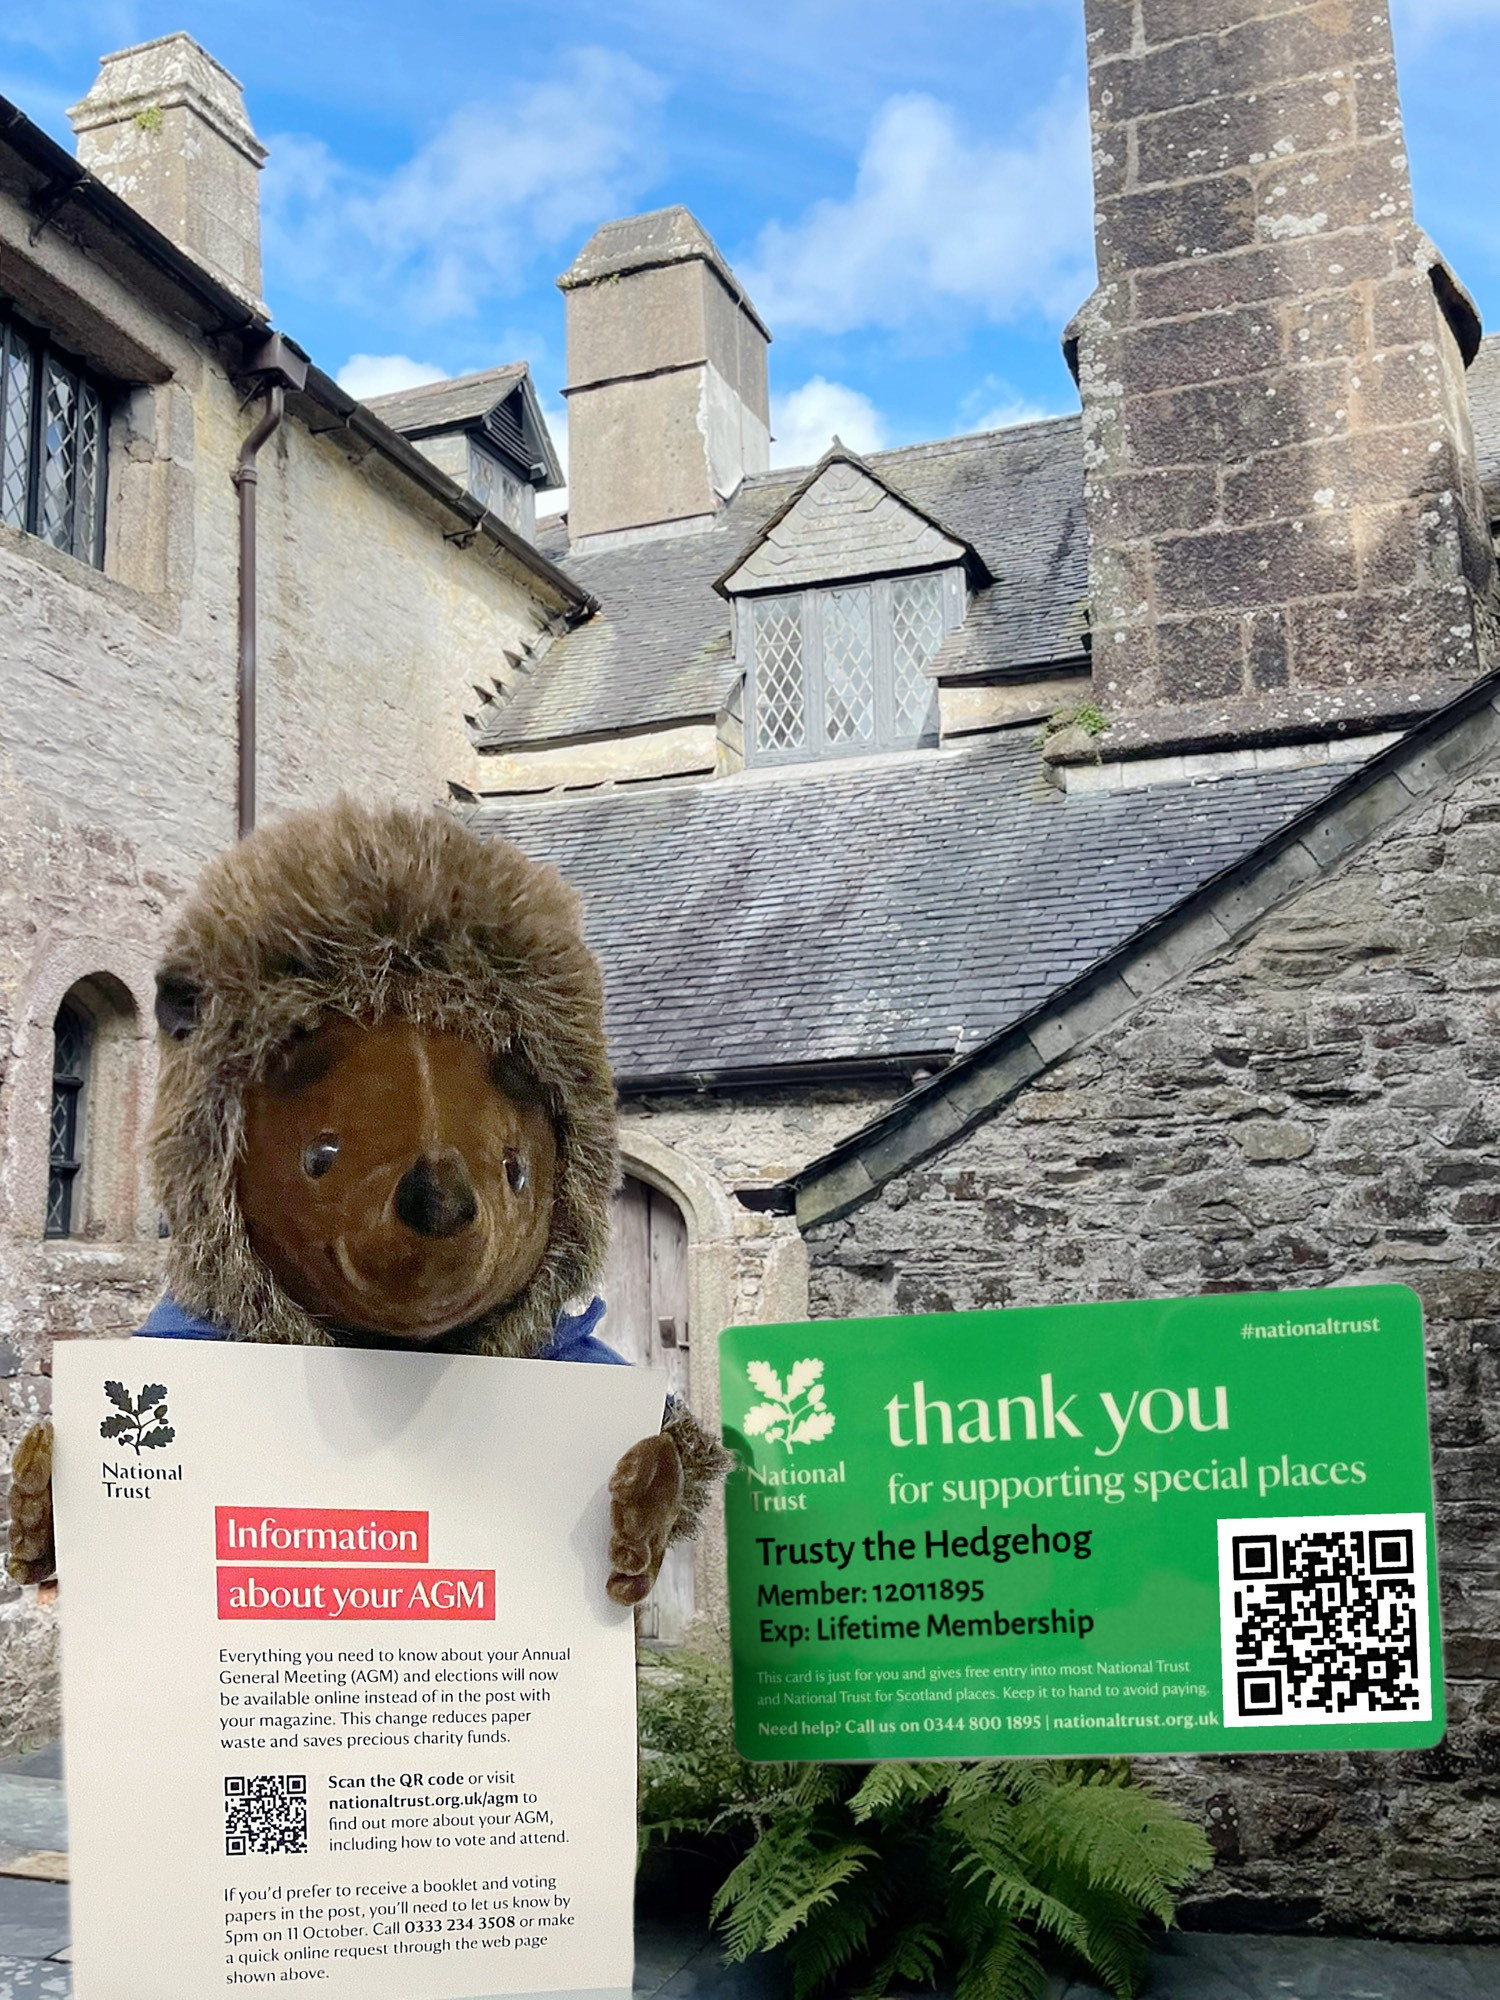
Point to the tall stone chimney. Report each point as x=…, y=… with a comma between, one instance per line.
x=1288, y=533
x=165, y=127
x=667, y=404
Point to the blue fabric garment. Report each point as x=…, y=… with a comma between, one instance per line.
x=572, y=1335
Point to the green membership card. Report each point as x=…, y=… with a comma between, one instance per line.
x=1149, y=1527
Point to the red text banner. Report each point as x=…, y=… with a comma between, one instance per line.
x=319, y=1534
x=350, y=1596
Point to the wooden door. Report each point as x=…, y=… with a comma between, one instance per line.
x=645, y=1294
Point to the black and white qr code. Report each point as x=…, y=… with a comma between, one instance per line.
x=1323, y=1618
x=265, y=1815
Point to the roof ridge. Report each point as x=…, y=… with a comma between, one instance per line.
x=954, y=442
x=447, y=382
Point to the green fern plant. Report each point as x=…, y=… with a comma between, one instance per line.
x=891, y=1877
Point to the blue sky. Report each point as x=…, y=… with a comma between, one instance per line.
x=902, y=187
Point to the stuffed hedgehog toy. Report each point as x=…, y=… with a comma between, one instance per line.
x=385, y=1117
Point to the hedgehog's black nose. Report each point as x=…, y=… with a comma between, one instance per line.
x=436, y=1199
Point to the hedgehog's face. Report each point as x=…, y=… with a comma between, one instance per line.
x=396, y=1181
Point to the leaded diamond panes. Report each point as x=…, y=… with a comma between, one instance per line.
x=59, y=1193
x=848, y=666
x=780, y=698
x=17, y=380
x=59, y=457
x=842, y=669
x=53, y=425
x=917, y=631
x=70, y=1055
x=89, y=508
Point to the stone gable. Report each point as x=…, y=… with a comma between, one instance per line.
x=1319, y=1104
x=844, y=523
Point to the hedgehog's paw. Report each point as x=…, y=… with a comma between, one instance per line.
x=645, y=1493
x=31, y=1554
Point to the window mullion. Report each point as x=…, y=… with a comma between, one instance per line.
x=37, y=361
x=75, y=478
x=100, y=480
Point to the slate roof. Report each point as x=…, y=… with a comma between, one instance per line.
x=900, y=907
x=461, y=399
x=659, y=649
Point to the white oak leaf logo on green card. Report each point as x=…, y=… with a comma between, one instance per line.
x=793, y=1415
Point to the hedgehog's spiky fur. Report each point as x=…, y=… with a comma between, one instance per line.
x=375, y=913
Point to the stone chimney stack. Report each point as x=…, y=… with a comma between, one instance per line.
x=667, y=405
x=165, y=127
x=1288, y=533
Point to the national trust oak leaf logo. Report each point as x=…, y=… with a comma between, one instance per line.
x=796, y=1414
x=139, y=1421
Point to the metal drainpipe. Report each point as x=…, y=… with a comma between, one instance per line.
x=246, y=477
x=280, y=368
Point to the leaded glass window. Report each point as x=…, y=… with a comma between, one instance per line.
x=843, y=669
x=70, y=1060
x=780, y=705
x=918, y=628
x=53, y=423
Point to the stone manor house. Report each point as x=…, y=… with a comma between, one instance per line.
x=1054, y=864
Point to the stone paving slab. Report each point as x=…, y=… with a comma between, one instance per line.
x=33, y=1917
x=34, y=1979
x=33, y=1818
x=674, y=1963
x=680, y=1964
x=1202, y=1967
x=43, y=1763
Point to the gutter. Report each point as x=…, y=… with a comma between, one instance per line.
x=476, y=522
x=219, y=311
x=784, y=1076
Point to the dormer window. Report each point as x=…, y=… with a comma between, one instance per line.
x=843, y=601
x=487, y=433
x=836, y=671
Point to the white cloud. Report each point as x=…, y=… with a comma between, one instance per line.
x=938, y=220
x=461, y=221
x=804, y=423
x=1003, y=415
x=367, y=375
x=993, y=405
x=1424, y=18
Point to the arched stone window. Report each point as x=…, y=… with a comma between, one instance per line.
x=92, y=1169
x=72, y=1035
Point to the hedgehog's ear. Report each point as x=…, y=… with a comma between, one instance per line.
x=176, y=1002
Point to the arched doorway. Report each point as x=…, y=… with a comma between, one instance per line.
x=645, y=1291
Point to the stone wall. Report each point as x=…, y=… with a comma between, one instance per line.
x=118, y=766
x=119, y=700
x=1287, y=528
x=1319, y=1106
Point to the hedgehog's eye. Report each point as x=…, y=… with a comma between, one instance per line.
x=320, y=1155
x=515, y=1170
